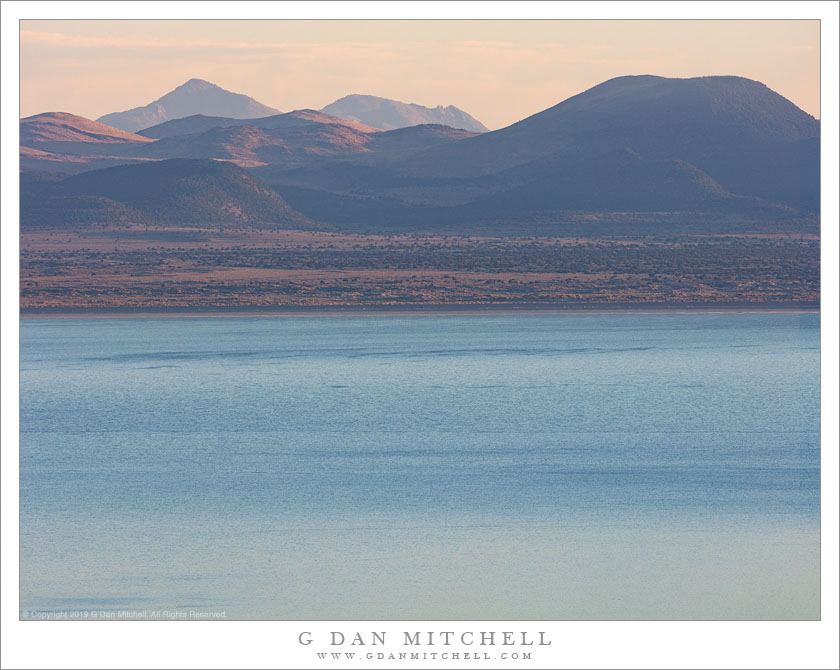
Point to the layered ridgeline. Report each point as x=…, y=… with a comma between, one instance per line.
x=189, y=193
x=193, y=97
x=57, y=129
x=643, y=148
x=298, y=119
x=65, y=143
x=391, y=114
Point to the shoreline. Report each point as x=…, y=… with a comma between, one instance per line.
x=416, y=310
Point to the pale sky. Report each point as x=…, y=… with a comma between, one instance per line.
x=497, y=71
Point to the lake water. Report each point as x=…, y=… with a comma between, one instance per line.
x=572, y=466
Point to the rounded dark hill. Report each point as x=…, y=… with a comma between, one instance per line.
x=744, y=135
x=734, y=104
x=187, y=192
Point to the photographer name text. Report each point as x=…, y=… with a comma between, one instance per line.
x=428, y=638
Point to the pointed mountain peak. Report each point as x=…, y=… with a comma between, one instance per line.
x=196, y=85
x=195, y=96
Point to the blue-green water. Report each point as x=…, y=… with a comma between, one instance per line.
x=590, y=466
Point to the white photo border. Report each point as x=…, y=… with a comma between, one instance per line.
x=275, y=644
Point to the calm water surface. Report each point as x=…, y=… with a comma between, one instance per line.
x=596, y=466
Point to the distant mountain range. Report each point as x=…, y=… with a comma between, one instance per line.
x=390, y=114
x=199, y=97
x=716, y=146
x=193, y=97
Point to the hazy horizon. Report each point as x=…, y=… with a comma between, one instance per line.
x=497, y=71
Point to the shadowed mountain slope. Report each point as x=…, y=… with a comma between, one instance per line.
x=621, y=181
x=192, y=193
